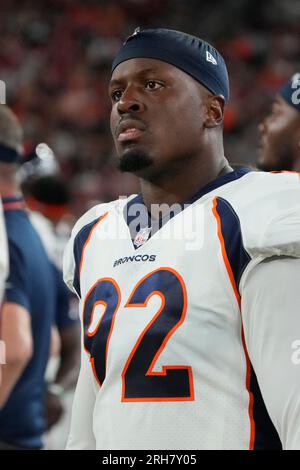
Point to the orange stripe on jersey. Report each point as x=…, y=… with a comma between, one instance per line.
x=88, y=239
x=238, y=298
x=92, y=362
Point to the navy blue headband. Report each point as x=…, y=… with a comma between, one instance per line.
x=9, y=155
x=290, y=91
x=188, y=53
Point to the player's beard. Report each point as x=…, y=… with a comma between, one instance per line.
x=134, y=160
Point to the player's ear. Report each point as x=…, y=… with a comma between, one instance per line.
x=215, y=111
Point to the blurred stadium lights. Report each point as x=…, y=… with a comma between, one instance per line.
x=44, y=152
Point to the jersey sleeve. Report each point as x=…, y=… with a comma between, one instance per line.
x=270, y=216
x=75, y=246
x=271, y=320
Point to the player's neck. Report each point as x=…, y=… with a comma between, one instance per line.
x=180, y=187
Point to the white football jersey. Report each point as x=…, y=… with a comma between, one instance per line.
x=165, y=363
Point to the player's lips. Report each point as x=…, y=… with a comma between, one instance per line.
x=129, y=129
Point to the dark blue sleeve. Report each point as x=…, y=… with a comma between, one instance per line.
x=16, y=285
x=63, y=317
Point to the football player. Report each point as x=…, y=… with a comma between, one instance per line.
x=188, y=291
x=280, y=131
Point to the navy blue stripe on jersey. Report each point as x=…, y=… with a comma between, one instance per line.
x=232, y=235
x=266, y=436
x=79, y=243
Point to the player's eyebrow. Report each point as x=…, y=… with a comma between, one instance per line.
x=139, y=74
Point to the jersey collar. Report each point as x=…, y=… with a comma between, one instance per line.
x=138, y=199
x=216, y=183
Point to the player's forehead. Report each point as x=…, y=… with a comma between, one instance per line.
x=139, y=67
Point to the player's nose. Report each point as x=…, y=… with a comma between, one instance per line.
x=130, y=102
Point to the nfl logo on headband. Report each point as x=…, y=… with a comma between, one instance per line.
x=210, y=58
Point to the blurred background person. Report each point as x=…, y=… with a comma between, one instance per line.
x=63, y=368
x=28, y=309
x=47, y=196
x=280, y=130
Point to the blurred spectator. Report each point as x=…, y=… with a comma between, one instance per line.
x=28, y=308
x=280, y=130
x=48, y=199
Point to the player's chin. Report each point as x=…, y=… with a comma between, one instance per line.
x=134, y=158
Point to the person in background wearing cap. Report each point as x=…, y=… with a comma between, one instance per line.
x=188, y=291
x=48, y=199
x=28, y=309
x=280, y=131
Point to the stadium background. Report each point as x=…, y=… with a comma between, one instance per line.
x=55, y=58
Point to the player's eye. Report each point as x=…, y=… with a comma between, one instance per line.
x=153, y=85
x=116, y=95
